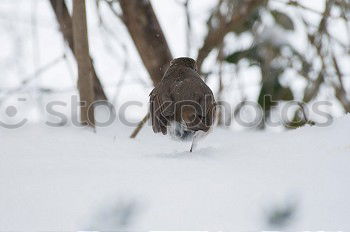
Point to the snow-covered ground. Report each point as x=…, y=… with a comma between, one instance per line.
x=64, y=179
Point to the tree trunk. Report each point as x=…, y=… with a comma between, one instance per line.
x=65, y=22
x=85, y=74
x=147, y=35
x=149, y=39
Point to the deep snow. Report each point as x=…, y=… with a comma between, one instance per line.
x=71, y=179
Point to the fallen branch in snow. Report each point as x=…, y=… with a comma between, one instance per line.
x=139, y=126
x=306, y=118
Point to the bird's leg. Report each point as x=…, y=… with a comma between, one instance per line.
x=192, y=145
x=194, y=142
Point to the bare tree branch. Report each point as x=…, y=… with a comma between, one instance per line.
x=26, y=81
x=188, y=27
x=315, y=40
x=340, y=91
x=185, y=5
x=216, y=35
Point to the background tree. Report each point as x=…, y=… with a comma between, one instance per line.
x=150, y=41
x=275, y=57
x=82, y=54
x=148, y=36
x=241, y=36
x=65, y=23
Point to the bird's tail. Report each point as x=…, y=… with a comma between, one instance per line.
x=179, y=132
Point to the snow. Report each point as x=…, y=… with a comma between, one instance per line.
x=65, y=179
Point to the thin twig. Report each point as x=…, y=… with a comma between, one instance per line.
x=185, y=5
x=140, y=125
x=298, y=5
x=33, y=77
x=340, y=91
x=111, y=6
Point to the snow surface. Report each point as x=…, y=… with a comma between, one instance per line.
x=66, y=179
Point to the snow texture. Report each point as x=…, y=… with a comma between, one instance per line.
x=71, y=179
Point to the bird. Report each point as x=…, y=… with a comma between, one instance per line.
x=181, y=104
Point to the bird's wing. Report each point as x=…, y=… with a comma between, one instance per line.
x=160, y=110
x=210, y=114
x=208, y=106
x=156, y=114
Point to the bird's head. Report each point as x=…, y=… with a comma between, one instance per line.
x=184, y=61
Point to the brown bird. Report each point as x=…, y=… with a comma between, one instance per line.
x=182, y=104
